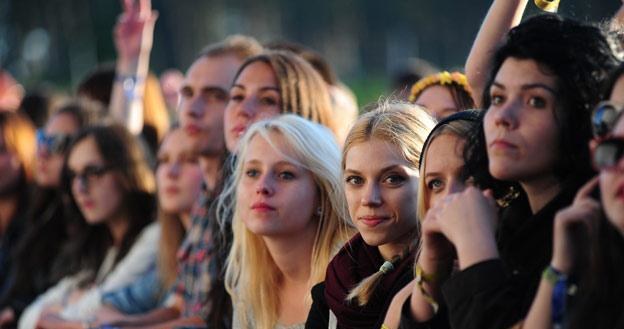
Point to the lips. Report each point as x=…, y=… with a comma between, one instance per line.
x=373, y=221
x=192, y=129
x=262, y=207
x=171, y=190
x=87, y=204
x=239, y=130
x=502, y=145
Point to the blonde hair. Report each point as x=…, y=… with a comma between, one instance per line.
x=251, y=275
x=18, y=134
x=302, y=89
x=403, y=125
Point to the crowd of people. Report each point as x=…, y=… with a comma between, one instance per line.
x=252, y=193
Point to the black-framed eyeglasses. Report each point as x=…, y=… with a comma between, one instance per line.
x=604, y=118
x=89, y=175
x=607, y=153
x=54, y=143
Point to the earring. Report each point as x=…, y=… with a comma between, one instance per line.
x=319, y=212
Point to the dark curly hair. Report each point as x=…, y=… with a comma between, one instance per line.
x=580, y=58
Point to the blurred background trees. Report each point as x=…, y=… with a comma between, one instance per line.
x=56, y=42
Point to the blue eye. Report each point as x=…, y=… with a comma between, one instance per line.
x=394, y=179
x=286, y=175
x=435, y=185
x=252, y=172
x=354, y=180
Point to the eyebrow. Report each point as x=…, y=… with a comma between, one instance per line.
x=384, y=169
x=279, y=163
x=261, y=89
x=528, y=86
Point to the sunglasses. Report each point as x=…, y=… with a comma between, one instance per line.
x=604, y=118
x=55, y=144
x=608, y=153
x=89, y=175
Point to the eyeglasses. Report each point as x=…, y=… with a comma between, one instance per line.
x=89, y=175
x=55, y=144
x=608, y=153
x=604, y=118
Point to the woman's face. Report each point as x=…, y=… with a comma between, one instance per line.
x=178, y=175
x=254, y=96
x=94, y=184
x=438, y=101
x=612, y=180
x=276, y=197
x=51, y=150
x=381, y=187
x=443, y=168
x=520, y=126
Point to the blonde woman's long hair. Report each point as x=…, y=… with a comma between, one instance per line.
x=252, y=276
x=405, y=126
x=302, y=89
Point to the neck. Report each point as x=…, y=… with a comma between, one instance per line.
x=8, y=208
x=389, y=250
x=118, y=227
x=292, y=255
x=211, y=169
x=185, y=219
x=541, y=191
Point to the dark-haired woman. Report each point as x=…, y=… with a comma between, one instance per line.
x=544, y=82
x=596, y=269
x=112, y=189
x=35, y=267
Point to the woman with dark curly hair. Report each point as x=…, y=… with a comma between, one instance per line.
x=532, y=141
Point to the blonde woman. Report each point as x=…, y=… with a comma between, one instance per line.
x=288, y=221
x=380, y=176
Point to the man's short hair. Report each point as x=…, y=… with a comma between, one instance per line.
x=238, y=45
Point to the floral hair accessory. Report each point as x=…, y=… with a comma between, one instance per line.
x=444, y=78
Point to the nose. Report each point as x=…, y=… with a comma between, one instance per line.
x=265, y=186
x=371, y=196
x=42, y=152
x=174, y=169
x=193, y=107
x=507, y=115
x=454, y=186
x=80, y=185
x=248, y=108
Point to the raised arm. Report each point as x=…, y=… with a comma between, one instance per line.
x=502, y=16
x=133, y=35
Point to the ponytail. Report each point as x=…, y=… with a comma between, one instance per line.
x=364, y=290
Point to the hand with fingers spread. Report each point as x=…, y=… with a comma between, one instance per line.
x=133, y=34
x=584, y=212
x=468, y=220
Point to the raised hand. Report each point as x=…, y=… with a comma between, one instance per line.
x=134, y=32
x=584, y=213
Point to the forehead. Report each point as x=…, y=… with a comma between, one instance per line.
x=373, y=155
x=518, y=72
x=213, y=71
x=436, y=95
x=257, y=73
x=262, y=150
x=444, y=151
x=177, y=140
x=84, y=153
x=63, y=123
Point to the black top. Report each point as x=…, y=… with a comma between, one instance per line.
x=498, y=293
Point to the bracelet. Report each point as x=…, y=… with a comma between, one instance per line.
x=559, y=281
x=421, y=278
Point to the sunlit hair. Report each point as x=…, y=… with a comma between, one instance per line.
x=240, y=46
x=302, y=89
x=155, y=113
x=251, y=275
x=18, y=134
x=455, y=82
x=403, y=125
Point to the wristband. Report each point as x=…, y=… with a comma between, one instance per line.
x=559, y=281
x=421, y=278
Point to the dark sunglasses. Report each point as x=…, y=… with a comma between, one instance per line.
x=55, y=144
x=608, y=153
x=604, y=118
x=89, y=175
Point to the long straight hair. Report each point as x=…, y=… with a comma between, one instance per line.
x=252, y=277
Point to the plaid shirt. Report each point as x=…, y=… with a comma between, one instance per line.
x=196, y=269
